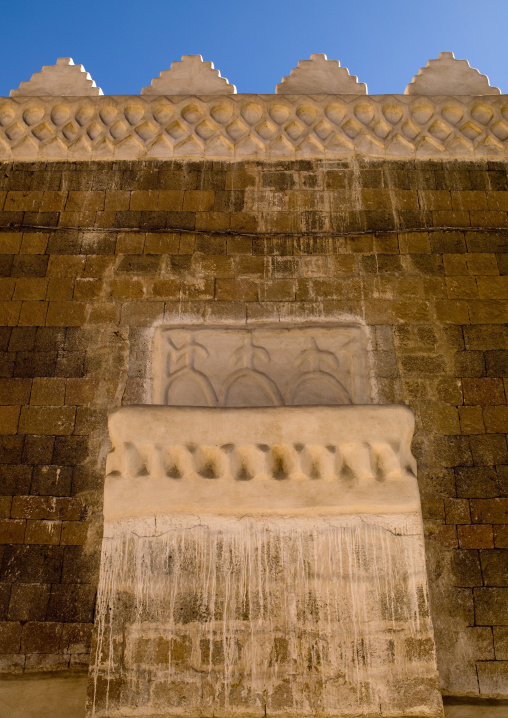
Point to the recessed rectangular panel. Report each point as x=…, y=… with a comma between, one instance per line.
x=261, y=367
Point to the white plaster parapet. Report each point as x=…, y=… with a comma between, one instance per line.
x=347, y=459
x=238, y=127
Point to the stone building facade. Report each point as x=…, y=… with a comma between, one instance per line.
x=328, y=213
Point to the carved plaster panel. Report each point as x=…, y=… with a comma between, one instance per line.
x=239, y=127
x=261, y=367
x=260, y=460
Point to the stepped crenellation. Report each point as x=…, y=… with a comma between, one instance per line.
x=192, y=76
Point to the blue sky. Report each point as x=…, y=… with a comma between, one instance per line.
x=124, y=44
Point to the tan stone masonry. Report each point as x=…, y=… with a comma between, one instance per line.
x=95, y=255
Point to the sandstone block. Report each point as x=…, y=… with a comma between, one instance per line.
x=74, y=533
x=501, y=536
x=141, y=314
x=38, y=637
x=493, y=677
x=161, y=243
x=10, y=636
x=475, y=536
x=494, y=567
x=35, y=242
x=10, y=242
x=491, y=606
x=66, y=265
x=14, y=391
x=496, y=419
x=76, y=638
x=489, y=449
x=28, y=601
x=483, y=391
x=60, y=289
x=32, y=564
x=501, y=642
x=80, y=201
x=494, y=511
x=73, y=603
x=52, y=480
x=47, y=420
x=126, y=288
x=243, y=290
x=492, y=287
x=12, y=531
x=9, y=416
x=43, y=532
x=66, y=314
x=166, y=289
x=481, y=264
x=47, y=391
x=466, y=569
x=461, y=287
x=477, y=481
x=46, y=508
x=33, y=314
x=457, y=511
x=471, y=420
x=86, y=289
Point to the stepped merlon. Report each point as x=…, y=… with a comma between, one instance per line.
x=449, y=76
x=65, y=78
x=319, y=76
x=190, y=76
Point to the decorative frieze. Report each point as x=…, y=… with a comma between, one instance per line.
x=328, y=459
x=261, y=367
x=253, y=126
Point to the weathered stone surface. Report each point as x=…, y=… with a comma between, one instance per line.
x=287, y=244
x=279, y=504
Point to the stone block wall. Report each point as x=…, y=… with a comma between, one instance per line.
x=94, y=255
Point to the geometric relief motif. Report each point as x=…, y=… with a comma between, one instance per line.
x=261, y=367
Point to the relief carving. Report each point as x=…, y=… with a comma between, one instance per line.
x=261, y=367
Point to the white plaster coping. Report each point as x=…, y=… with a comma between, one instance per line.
x=239, y=127
x=301, y=460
